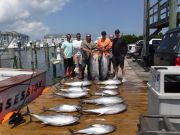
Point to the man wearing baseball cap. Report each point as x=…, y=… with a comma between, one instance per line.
x=88, y=47
x=104, y=45
x=77, y=53
x=119, y=50
x=67, y=52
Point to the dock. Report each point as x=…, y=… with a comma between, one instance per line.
x=134, y=93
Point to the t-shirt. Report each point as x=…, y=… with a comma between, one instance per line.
x=86, y=45
x=68, y=49
x=77, y=46
x=119, y=47
x=107, y=44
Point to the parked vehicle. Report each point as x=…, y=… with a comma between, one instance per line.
x=155, y=41
x=139, y=47
x=153, y=45
x=168, y=52
x=131, y=49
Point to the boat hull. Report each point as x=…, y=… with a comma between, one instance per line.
x=20, y=91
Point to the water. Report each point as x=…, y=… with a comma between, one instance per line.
x=43, y=62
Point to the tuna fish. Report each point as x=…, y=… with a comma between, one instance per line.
x=112, y=109
x=109, y=87
x=103, y=67
x=75, y=89
x=57, y=120
x=94, y=66
x=78, y=84
x=95, y=129
x=64, y=108
x=104, y=100
x=71, y=94
x=110, y=82
x=107, y=93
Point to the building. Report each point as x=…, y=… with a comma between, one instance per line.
x=8, y=37
x=52, y=39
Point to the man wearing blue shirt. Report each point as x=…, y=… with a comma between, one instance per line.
x=67, y=53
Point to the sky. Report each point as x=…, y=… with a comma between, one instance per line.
x=39, y=17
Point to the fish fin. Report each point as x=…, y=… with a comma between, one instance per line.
x=90, y=94
x=44, y=123
x=71, y=131
x=100, y=114
x=81, y=102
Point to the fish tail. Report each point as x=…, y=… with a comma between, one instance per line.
x=80, y=113
x=81, y=102
x=71, y=131
x=79, y=109
x=44, y=108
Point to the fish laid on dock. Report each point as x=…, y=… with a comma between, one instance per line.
x=104, y=100
x=78, y=84
x=112, y=109
x=72, y=94
x=96, y=129
x=109, y=87
x=107, y=93
x=110, y=82
x=75, y=89
x=57, y=120
x=64, y=108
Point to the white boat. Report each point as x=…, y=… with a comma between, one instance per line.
x=18, y=88
x=59, y=58
x=13, y=44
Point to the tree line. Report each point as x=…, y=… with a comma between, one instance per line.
x=132, y=38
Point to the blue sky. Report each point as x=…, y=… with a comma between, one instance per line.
x=39, y=17
x=93, y=16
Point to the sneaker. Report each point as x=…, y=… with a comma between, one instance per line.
x=115, y=78
x=76, y=70
x=124, y=80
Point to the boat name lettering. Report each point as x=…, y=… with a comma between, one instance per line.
x=32, y=89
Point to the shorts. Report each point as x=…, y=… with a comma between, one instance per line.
x=77, y=58
x=119, y=60
x=68, y=62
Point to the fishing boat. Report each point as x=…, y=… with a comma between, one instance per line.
x=19, y=87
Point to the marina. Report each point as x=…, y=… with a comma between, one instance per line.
x=62, y=73
x=41, y=59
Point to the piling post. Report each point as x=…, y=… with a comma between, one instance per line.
x=0, y=62
x=12, y=56
x=15, y=62
x=48, y=56
x=146, y=32
x=32, y=56
x=172, y=14
x=19, y=54
x=53, y=65
x=35, y=53
x=54, y=70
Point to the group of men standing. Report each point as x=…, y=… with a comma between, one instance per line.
x=77, y=54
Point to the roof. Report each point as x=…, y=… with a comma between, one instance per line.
x=58, y=36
